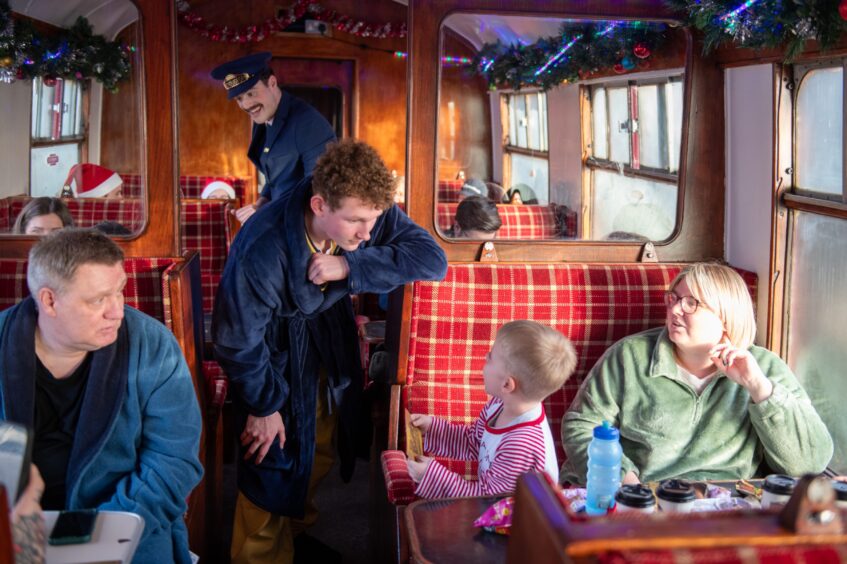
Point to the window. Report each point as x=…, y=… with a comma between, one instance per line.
x=57, y=133
x=811, y=333
x=633, y=146
x=525, y=154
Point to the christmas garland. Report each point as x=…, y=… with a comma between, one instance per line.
x=580, y=50
x=300, y=8
x=75, y=53
x=766, y=23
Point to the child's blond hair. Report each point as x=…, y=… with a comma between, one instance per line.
x=540, y=358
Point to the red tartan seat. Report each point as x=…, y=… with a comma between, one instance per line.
x=129, y=212
x=205, y=229
x=737, y=555
x=527, y=222
x=448, y=191
x=454, y=321
x=190, y=186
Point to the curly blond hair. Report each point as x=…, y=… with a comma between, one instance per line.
x=352, y=168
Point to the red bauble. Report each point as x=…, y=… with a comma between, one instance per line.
x=642, y=51
x=842, y=9
x=49, y=81
x=618, y=68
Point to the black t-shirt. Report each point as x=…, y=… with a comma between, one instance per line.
x=57, y=408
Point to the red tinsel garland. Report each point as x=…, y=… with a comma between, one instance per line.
x=300, y=8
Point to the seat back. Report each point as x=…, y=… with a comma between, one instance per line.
x=521, y=222
x=454, y=322
x=448, y=190
x=129, y=212
x=206, y=229
x=190, y=186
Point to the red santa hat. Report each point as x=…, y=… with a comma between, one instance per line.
x=91, y=181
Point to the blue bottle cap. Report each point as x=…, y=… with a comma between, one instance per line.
x=606, y=432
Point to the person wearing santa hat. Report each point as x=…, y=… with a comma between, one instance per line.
x=219, y=190
x=288, y=134
x=89, y=180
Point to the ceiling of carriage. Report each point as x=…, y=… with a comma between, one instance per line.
x=107, y=17
x=480, y=29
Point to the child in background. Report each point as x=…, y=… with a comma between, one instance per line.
x=511, y=436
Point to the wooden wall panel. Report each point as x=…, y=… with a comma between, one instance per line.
x=464, y=118
x=121, y=137
x=214, y=134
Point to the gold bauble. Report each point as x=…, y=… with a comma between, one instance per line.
x=6, y=61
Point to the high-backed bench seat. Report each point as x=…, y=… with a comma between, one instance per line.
x=190, y=186
x=522, y=222
x=85, y=212
x=454, y=322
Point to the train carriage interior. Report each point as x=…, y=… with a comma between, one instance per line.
x=610, y=145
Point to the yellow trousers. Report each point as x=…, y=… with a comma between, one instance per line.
x=259, y=536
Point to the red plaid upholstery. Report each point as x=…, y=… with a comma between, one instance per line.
x=217, y=384
x=133, y=185
x=6, y=218
x=205, y=230
x=129, y=212
x=398, y=482
x=735, y=555
x=146, y=287
x=189, y=186
x=192, y=186
x=454, y=322
x=448, y=190
x=528, y=222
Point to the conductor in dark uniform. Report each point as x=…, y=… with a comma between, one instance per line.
x=288, y=134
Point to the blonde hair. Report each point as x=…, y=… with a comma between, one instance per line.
x=723, y=291
x=540, y=358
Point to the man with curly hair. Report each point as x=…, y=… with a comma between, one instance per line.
x=284, y=333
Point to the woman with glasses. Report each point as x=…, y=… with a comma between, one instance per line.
x=695, y=398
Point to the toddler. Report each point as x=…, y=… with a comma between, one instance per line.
x=511, y=436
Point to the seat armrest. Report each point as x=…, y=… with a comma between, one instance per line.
x=398, y=481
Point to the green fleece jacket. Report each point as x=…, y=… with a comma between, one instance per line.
x=668, y=431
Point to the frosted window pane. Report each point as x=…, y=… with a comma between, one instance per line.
x=532, y=122
x=673, y=99
x=521, y=119
x=513, y=126
x=533, y=172
x=598, y=125
x=818, y=131
x=817, y=342
x=542, y=105
x=42, y=110
x=652, y=141
x=625, y=205
x=619, y=124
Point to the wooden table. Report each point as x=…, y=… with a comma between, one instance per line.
x=443, y=531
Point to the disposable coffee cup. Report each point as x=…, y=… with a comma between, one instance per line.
x=635, y=498
x=840, y=493
x=676, y=496
x=777, y=490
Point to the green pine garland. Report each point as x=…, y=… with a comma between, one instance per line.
x=764, y=23
x=597, y=48
x=75, y=53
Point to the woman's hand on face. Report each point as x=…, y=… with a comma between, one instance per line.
x=740, y=367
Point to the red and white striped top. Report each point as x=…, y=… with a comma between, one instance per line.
x=504, y=453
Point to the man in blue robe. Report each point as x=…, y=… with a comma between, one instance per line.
x=284, y=331
x=288, y=134
x=106, y=390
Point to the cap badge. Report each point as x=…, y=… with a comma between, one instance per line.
x=233, y=80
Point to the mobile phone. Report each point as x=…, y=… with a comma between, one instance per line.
x=15, y=456
x=73, y=527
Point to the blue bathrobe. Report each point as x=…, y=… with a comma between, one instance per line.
x=273, y=328
x=135, y=448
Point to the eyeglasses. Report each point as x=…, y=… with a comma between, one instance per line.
x=689, y=304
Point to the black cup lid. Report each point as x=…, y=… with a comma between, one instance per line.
x=840, y=490
x=677, y=491
x=779, y=484
x=636, y=495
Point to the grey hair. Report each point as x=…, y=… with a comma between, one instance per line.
x=54, y=260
